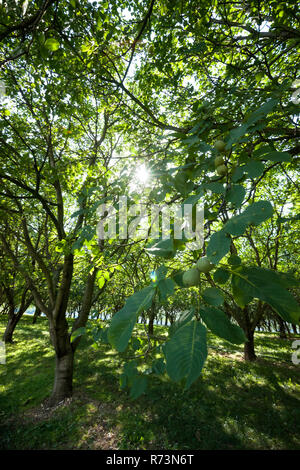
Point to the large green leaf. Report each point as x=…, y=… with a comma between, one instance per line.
x=185, y=317
x=213, y=296
x=240, y=291
x=236, y=195
x=258, y=212
x=269, y=287
x=163, y=248
x=254, y=214
x=267, y=153
x=138, y=387
x=219, y=324
x=236, y=134
x=218, y=246
x=166, y=288
x=214, y=187
x=123, y=321
x=254, y=168
x=79, y=332
x=262, y=111
x=186, y=353
x=221, y=276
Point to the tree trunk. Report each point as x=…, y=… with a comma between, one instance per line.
x=37, y=313
x=63, y=381
x=64, y=351
x=249, y=352
x=282, y=331
x=10, y=328
x=14, y=318
x=294, y=328
x=150, y=325
x=152, y=314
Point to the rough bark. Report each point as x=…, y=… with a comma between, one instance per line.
x=60, y=339
x=63, y=382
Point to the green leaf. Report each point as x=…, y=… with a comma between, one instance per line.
x=130, y=369
x=218, y=246
x=139, y=385
x=123, y=321
x=236, y=195
x=161, y=272
x=166, y=288
x=135, y=344
x=221, y=276
x=236, y=226
x=213, y=296
x=236, y=134
x=186, y=353
x=238, y=173
x=220, y=325
x=194, y=198
x=254, y=169
x=177, y=277
x=258, y=212
x=163, y=248
x=79, y=332
x=234, y=260
x=214, y=187
x=51, y=44
x=262, y=111
x=277, y=156
x=159, y=366
x=184, y=318
x=240, y=291
x=270, y=287
x=254, y=214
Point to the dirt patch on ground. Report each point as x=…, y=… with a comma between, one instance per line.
x=95, y=432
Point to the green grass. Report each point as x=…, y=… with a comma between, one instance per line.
x=233, y=405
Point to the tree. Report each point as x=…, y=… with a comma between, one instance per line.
x=199, y=92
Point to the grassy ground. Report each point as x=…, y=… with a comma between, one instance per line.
x=234, y=405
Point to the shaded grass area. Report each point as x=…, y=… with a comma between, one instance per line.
x=233, y=405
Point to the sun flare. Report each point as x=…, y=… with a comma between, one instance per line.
x=142, y=174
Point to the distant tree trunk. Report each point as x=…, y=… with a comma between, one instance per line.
x=150, y=325
x=151, y=319
x=37, y=314
x=14, y=318
x=294, y=328
x=282, y=329
x=249, y=351
x=249, y=329
x=10, y=328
